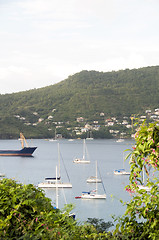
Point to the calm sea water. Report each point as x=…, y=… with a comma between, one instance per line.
x=109, y=155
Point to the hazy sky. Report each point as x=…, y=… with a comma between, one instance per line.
x=44, y=41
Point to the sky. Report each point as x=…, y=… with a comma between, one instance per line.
x=42, y=42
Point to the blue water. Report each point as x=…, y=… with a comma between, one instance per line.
x=109, y=155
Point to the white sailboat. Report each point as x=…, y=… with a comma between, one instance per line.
x=55, y=182
x=85, y=153
x=89, y=136
x=120, y=140
x=93, y=194
x=142, y=186
x=55, y=138
x=94, y=179
x=2, y=175
x=121, y=171
x=57, y=197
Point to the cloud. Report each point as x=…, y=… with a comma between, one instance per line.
x=44, y=41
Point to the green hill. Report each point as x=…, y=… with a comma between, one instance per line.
x=85, y=94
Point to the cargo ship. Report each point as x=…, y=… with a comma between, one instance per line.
x=25, y=151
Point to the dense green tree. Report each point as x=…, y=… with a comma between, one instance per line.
x=25, y=213
x=85, y=94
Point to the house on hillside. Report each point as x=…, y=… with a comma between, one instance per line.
x=80, y=119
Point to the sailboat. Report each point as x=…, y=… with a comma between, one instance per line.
x=120, y=140
x=2, y=175
x=121, y=171
x=72, y=215
x=93, y=194
x=142, y=186
x=55, y=182
x=85, y=153
x=55, y=138
x=94, y=179
x=89, y=136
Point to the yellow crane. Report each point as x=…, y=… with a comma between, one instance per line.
x=22, y=139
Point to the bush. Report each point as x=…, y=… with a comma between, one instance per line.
x=25, y=213
x=141, y=219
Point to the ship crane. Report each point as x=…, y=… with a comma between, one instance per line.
x=22, y=139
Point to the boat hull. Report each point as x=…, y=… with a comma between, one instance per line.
x=93, y=196
x=121, y=172
x=146, y=188
x=26, y=151
x=54, y=185
x=81, y=161
x=2, y=175
x=94, y=180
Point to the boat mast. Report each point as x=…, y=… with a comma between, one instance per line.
x=96, y=178
x=59, y=157
x=55, y=134
x=84, y=149
x=57, y=205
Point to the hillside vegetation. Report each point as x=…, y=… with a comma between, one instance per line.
x=85, y=94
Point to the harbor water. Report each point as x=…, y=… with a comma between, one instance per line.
x=108, y=153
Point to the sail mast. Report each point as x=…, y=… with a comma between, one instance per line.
x=59, y=158
x=57, y=205
x=84, y=149
x=96, y=177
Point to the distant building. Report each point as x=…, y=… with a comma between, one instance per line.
x=40, y=120
x=110, y=123
x=124, y=122
x=50, y=117
x=148, y=111
x=35, y=113
x=80, y=119
x=88, y=126
x=95, y=122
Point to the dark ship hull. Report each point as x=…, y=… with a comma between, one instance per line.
x=26, y=151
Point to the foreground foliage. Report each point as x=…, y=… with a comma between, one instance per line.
x=141, y=219
x=25, y=213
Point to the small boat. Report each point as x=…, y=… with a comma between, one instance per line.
x=85, y=153
x=55, y=138
x=120, y=140
x=93, y=194
x=89, y=136
x=94, y=179
x=143, y=186
x=2, y=175
x=25, y=151
x=71, y=215
x=121, y=172
x=55, y=182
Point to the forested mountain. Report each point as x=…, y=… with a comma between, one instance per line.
x=85, y=94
